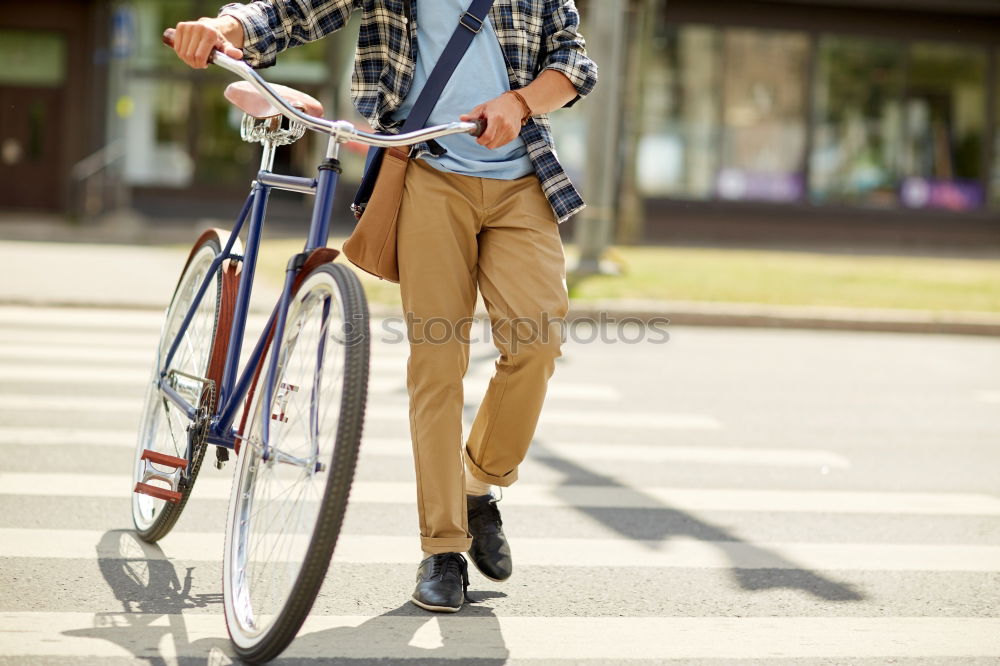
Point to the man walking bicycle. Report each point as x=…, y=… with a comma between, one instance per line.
x=475, y=214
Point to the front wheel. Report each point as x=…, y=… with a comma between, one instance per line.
x=285, y=511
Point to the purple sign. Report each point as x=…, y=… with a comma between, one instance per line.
x=949, y=194
x=739, y=185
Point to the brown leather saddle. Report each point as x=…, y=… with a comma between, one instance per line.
x=251, y=102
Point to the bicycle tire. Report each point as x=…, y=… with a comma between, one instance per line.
x=154, y=518
x=245, y=603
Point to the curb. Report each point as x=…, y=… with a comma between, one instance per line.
x=750, y=315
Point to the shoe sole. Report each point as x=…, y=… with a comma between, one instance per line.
x=436, y=609
x=484, y=574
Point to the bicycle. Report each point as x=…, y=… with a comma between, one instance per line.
x=303, y=388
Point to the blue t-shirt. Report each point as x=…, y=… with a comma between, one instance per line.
x=479, y=77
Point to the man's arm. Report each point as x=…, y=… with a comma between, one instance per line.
x=504, y=114
x=261, y=29
x=567, y=75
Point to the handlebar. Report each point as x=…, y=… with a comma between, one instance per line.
x=341, y=130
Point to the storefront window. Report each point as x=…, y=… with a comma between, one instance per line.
x=995, y=189
x=857, y=133
x=764, y=118
x=944, y=125
x=725, y=115
x=678, y=156
x=32, y=58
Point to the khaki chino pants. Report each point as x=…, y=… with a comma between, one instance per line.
x=456, y=233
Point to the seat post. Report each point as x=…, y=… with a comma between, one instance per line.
x=267, y=156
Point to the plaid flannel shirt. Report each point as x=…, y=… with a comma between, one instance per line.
x=535, y=35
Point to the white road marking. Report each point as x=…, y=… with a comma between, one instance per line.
x=70, y=339
x=66, y=437
x=550, y=417
x=82, y=317
x=19, y=353
x=520, y=638
x=678, y=552
x=643, y=453
x=577, y=451
x=524, y=494
x=989, y=397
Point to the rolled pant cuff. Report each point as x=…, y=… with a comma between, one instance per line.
x=438, y=545
x=506, y=480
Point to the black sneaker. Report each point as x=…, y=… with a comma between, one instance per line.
x=490, y=551
x=442, y=582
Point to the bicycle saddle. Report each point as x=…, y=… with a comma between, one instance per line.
x=251, y=102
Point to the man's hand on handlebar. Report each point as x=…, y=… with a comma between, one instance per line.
x=194, y=40
x=502, y=117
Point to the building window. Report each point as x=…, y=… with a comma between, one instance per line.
x=726, y=115
x=678, y=156
x=857, y=122
x=996, y=132
x=764, y=116
x=944, y=121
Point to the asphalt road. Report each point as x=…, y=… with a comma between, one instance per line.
x=731, y=495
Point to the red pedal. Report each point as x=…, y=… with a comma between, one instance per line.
x=157, y=492
x=163, y=459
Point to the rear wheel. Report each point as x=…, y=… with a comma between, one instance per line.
x=196, y=369
x=285, y=511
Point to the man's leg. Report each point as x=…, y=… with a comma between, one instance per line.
x=522, y=277
x=437, y=250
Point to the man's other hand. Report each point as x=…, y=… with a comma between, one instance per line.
x=194, y=40
x=503, y=120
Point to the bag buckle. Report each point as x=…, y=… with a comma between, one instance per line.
x=475, y=25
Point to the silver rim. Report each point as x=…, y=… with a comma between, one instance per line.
x=163, y=428
x=275, y=504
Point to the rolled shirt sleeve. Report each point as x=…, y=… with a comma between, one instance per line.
x=565, y=48
x=271, y=26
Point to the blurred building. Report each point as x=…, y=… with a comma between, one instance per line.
x=841, y=119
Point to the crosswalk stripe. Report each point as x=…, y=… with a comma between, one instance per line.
x=137, y=376
x=583, y=418
x=519, y=638
x=678, y=552
x=14, y=353
x=524, y=494
x=989, y=397
x=376, y=446
x=69, y=339
x=65, y=437
x=114, y=376
x=81, y=317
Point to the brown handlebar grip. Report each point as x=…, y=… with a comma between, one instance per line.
x=480, y=128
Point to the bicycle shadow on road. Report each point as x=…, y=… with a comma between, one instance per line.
x=771, y=570
x=153, y=598
x=151, y=624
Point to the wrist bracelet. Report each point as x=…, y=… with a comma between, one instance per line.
x=524, y=105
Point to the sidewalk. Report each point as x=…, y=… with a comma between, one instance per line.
x=123, y=276
x=96, y=275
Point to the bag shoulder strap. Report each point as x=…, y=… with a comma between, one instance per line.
x=469, y=25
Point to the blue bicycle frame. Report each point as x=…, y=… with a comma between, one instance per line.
x=233, y=390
